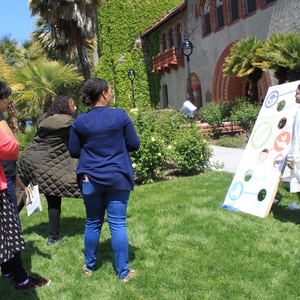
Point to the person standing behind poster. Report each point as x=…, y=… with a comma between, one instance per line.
x=293, y=157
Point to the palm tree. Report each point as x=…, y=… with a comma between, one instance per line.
x=282, y=52
x=9, y=49
x=41, y=81
x=242, y=62
x=6, y=70
x=13, y=58
x=71, y=25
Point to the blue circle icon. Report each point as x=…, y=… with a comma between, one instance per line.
x=271, y=99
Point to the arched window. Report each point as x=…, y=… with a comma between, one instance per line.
x=234, y=8
x=207, y=17
x=220, y=15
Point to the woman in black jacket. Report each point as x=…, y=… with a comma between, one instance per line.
x=47, y=163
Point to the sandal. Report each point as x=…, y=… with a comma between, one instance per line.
x=131, y=274
x=86, y=271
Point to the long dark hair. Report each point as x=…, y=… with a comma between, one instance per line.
x=5, y=90
x=61, y=105
x=92, y=90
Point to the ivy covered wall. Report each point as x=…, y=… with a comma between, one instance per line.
x=120, y=23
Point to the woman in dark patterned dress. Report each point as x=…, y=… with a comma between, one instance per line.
x=11, y=240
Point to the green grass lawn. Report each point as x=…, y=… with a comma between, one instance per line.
x=183, y=245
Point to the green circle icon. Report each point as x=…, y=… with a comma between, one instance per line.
x=261, y=134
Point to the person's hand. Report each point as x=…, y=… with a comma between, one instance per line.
x=290, y=165
x=25, y=191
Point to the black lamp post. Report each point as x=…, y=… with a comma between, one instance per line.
x=131, y=76
x=187, y=50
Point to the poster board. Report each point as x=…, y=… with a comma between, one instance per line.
x=258, y=175
x=33, y=201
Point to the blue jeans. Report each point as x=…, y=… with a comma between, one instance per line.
x=97, y=199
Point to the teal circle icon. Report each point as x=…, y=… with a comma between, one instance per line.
x=236, y=191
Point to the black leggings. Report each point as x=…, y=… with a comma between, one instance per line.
x=54, y=209
x=15, y=266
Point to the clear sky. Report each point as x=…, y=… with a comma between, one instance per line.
x=15, y=19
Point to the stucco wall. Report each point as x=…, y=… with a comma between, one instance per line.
x=209, y=49
x=282, y=16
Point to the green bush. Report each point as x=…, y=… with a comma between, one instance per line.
x=245, y=115
x=190, y=153
x=168, y=138
x=216, y=113
x=238, y=111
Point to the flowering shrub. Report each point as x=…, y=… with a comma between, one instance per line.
x=168, y=138
x=191, y=153
x=150, y=158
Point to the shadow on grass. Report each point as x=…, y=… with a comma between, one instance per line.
x=279, y=209
x=284, y=215
x=28, y=266
x=69, y=226
x=72, y=226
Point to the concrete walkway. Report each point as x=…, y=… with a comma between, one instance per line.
x=231, y=158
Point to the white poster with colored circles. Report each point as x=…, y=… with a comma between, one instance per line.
x=258, y=175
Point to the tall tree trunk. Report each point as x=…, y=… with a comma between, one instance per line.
x=254, y=77
x=84, y=61
x=13, y=119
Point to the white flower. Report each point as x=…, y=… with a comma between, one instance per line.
x=169, y=147
x=134, y=165
x=153, y=139
x=159, y=154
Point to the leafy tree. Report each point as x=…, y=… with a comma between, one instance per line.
x=242, y=62
x=70, y=24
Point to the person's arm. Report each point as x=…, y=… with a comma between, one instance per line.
x=4, y=126
x=131, y=137
x=8, y=146
x=74, y=143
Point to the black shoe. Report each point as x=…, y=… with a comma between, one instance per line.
x=8, y=275
x=32, y=283
x=52, y=241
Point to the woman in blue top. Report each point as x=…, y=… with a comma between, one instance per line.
x=102, y=139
